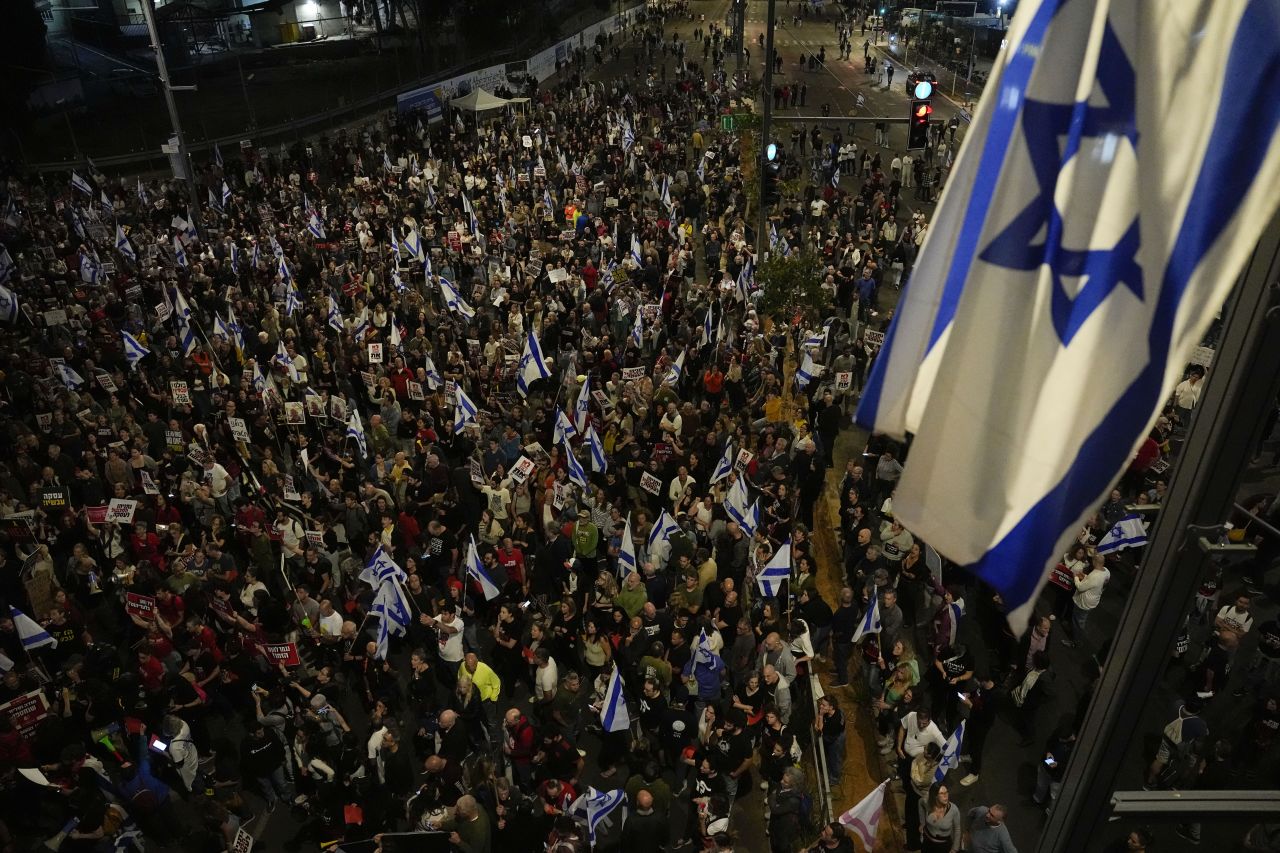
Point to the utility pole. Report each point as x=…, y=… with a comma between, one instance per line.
x=766, y=126
x=184, y=157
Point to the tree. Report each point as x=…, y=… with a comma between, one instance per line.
x=791, y=286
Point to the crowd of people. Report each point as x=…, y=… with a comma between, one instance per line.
x=380, y=483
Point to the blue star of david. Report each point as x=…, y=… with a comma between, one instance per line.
x=1045, y=126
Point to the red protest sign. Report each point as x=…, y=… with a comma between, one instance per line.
x=27, y=711
x=282, y=653
x=142, y=606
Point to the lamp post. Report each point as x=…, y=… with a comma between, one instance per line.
x=184, y=156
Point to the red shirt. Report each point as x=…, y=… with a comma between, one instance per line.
x=513, y=562
x=151, y=673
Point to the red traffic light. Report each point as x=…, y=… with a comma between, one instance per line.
x=923, y=111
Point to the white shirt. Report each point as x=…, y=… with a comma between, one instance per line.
x=451, y=644
x=1238, y=618
x=1089, y=588
x=331, y=625
x=1186, y=394
x=913, y=742
x=218, y=479
x=546, y=679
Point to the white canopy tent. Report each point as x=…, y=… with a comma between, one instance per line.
x=478, y=100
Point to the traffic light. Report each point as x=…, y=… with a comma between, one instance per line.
x=772, y=194
x=918, y=126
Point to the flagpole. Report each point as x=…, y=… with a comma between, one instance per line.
x=1227, y=424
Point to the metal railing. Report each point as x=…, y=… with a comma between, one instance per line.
x=822, y=796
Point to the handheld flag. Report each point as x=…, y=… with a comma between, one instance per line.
x=870, y=621
x=637, y=329
x=598, y=805
x=770, y=578
x=355, y=429
x=134, y=352
x=950, y=753
x=123, y=246
x=454, y=301
x=315, y=227
x=532, y=365
x=179, y=253
x=576, y=474
x=29, y=631
x=8, y=305
x=725, y=466
x=613, y=713
x=582, y=406
x=335, y=315
x=381, y=568
x=226, y=194
x=806, y=371
x=563, y=427
x=599, y=462
x=463, y=409
x=1098, y=314
x=475, y=569
x=661, y=532
x=863, y=820
x=434, y=379
x=626, y=550
x=68, y=376
x=81, y=184
x=675, y=371
x=1128, y=532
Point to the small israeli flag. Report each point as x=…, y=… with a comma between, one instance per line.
x=30, y=634
x=1128, y=532
x=563, y=427
x=774, y=573
x=292, y=300
x=476, y=569
x=637, y=252
x=661, y=532
x=637, y=329
x=582, y=406
x=315, y=227
x=950, y=753
x=532, y=365
x=599, y=462
x=463, y=409
x=381, y=568
x=806, y=371
x=725, y=466
x=870, y=621
x=217, y=155
x=675, y=371
x=134, y=352
x=69, y=377
x=434, y=379
x=123, y=246
x=81, y=184
x=179, y=253
x=576, y=474
x=614, y=716
x=335, y=315
x=355, y=429
x=626, y=550
x=745, y=277
x=454, y=301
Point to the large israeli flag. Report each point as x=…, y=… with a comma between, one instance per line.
x=725, y=466
x=950, y=753
x=464, y=410
x=355, y=429
x=30, y=634
x=532, y=365
x=476, y=570
x=1128, y=532
x=599, y=461
x=134, y=352
x=626, y=550
x=576, y=475
x=1088, y=234
x=772, y=575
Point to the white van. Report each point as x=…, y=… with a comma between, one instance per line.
x=875, y=23
x=910, y=18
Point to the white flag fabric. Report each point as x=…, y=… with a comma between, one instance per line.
x=950, y=753
x=870, y=621
x=576, y=474
x=613, y=713
x=355, y=429
x=1072, y=267
x=134, y=352
x=1128, y=532
x=675, y=371
x=778, y=570
x=69, y=376
x=532, y=365
x=563, y=427
x=463, y=409
x=582, y=406
x=724, y=466
x=29, y=631
x=476, y=569
x=626, y=550
x=863, y=820
x=599, y=461
x=8, y=305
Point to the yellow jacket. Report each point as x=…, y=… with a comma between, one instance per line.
x=485, y=680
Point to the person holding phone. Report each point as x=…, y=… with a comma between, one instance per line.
x=1052, y=765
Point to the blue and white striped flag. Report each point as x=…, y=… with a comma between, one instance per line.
x=1128, y=532
x=392, y=605
x=434, y=379
x=1087, y=318
x=453, y=301
x=214, y=203
x=563, y=427
x=708, y=330
x=614, y=716
x=476, y=569
x=355, y=429
x=226, y=194
x=283, y=269
x=661, y=532
x=315, y=227
x=675, y=371
x=725, y=466
x=413, y=245
x=382, y=645
x=179, y=253
x=628, y=137
x=283, y=359
x=292, y=299
x=134, y=352
x=599, y=462
x=745, y=277
x=463, y=409
x=701, y=171
x=582, y=406
x=597, y=806
x=30, y=634
x=774, y=573
x=68, y=376
x=381, y=568
x=835, y=178
x=576, y=474
x=735, y=504
x=123, y=246
x=870, y=621
x=637, y=251
x=626, y=550
x=81, y=184
x=806, y=371
x=532, y=365
x=335, y=315
x=950, y=753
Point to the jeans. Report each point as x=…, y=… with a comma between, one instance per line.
x=730, y=786
x=1079, y=619
x=1047, y=788
x=276, y=786
x=833, y=747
